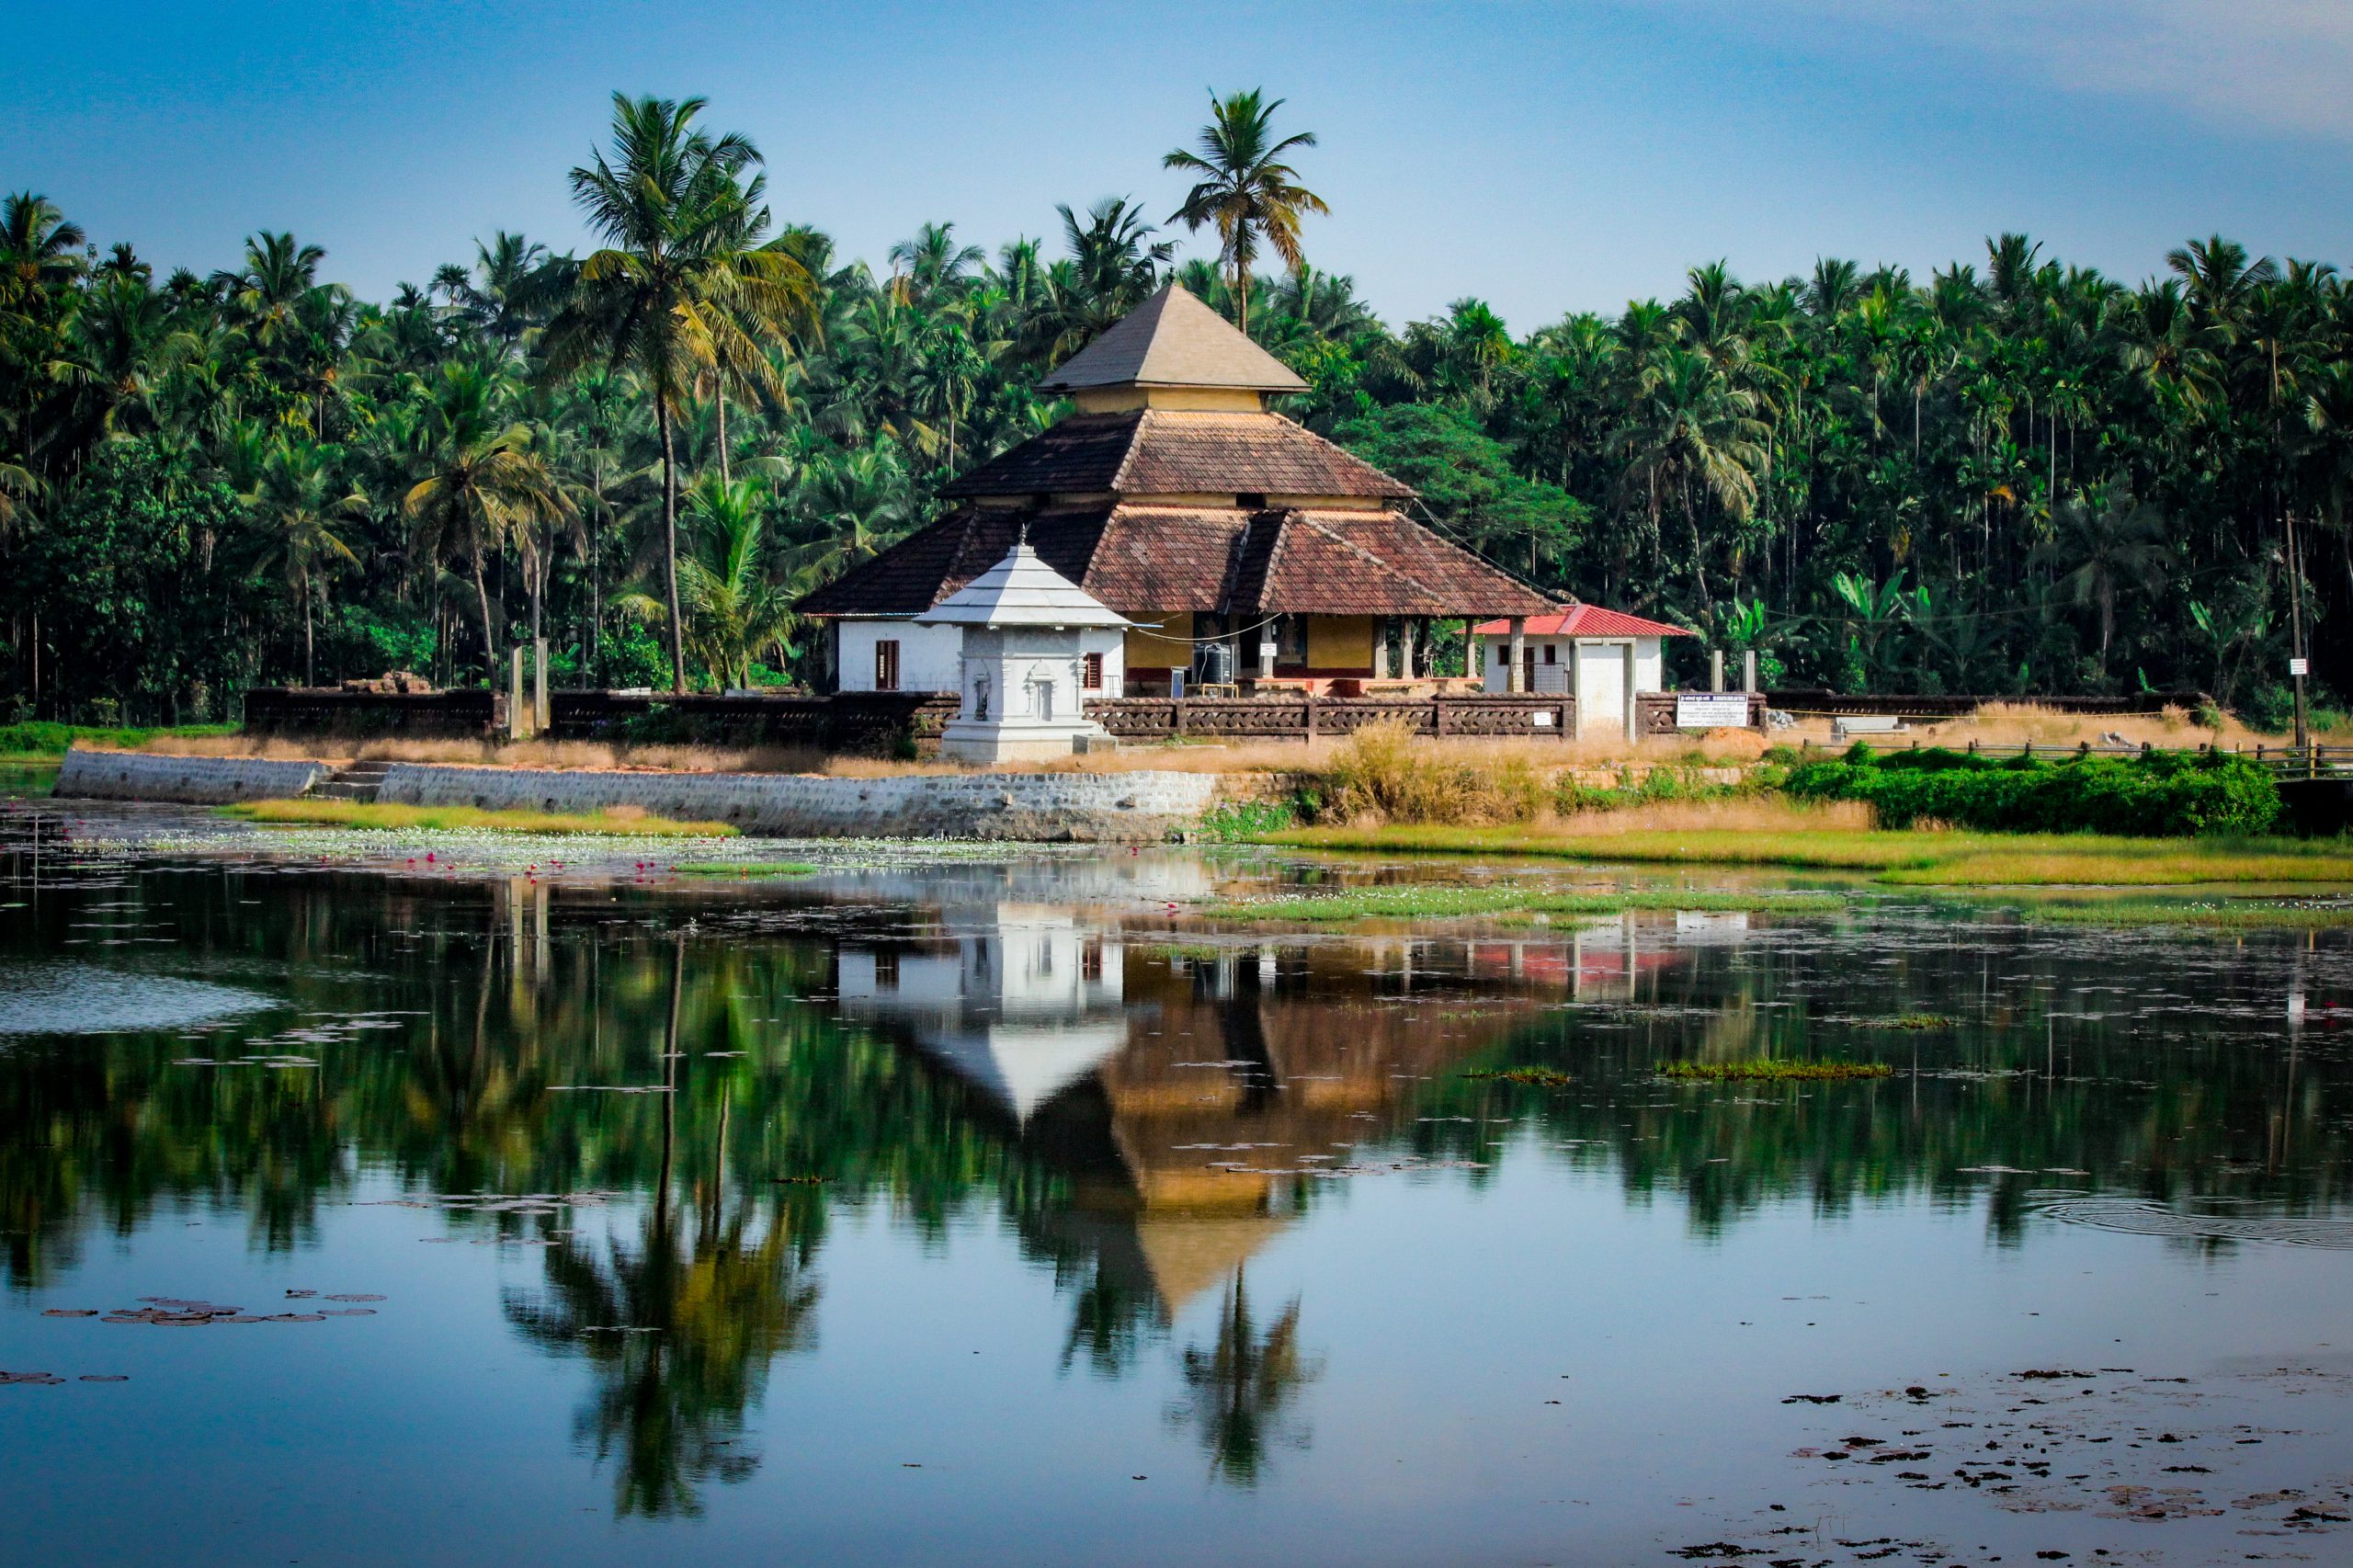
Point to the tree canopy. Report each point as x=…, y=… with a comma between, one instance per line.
x=2013, y=476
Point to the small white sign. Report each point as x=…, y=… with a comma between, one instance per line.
x=1711, y=710
x=1542, y=719
x=2297, y=666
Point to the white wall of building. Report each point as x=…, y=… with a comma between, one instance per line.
x=928, y=655
x=1554, y=656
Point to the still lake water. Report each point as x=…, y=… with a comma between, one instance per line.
x=976, y=1212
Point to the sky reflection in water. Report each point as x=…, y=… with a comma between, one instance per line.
x=967, y=1213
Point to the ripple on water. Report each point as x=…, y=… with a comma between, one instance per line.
x=2139, y=1217
x=75, y=998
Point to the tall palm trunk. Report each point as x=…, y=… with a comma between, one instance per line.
x=726, y=471
x=670, y=545
x=481, y=601
x=310, y=642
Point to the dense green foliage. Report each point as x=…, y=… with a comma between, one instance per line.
x=2157, y=793
x=2012, y=476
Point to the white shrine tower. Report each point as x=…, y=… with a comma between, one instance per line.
x=1036, y=646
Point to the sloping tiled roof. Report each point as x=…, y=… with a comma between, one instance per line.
x=1587, y=620
x=1021, y=590
x=1142, y=559
x=1173, y=340
x=1336, y=563
x=1161, y=451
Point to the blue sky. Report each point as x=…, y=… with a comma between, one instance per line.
x=1547, y=157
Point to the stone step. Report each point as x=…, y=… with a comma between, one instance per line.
x=360, y=781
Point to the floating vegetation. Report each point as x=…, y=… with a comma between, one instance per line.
x=1771, y=1070
x=1909, y=1021
x=1422, y=902
x=1542, y=1077
x=177, y=1311
x=2213, y=914
x=307, y=812
x=742, y=870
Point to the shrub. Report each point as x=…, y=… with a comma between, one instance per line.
x=1384, y=771
x=2157, y=793
x=1239, y=822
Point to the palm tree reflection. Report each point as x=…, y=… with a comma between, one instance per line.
x=679, y=1328
x=1238, y=1387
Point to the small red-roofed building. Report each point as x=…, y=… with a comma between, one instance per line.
x=1604, y=658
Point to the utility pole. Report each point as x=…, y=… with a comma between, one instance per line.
x=2296, y=661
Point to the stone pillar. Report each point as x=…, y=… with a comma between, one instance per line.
x=1748, y=671
x=1518, y=666
x=1405, y=626
x=1715, y=669
x=540, y=685
x=1470, y=650
x=1381, y=647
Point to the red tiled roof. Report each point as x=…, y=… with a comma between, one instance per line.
x=1587, y=620
x=1162, y=451
x=1352, y=562
x=1142, y=559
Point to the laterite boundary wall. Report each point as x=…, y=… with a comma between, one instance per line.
x=1140, y=807
x=182, y=780
x=1116, y=808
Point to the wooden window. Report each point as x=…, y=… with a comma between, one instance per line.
x=1551, y=653
x=886, y=665
x=1091, y=672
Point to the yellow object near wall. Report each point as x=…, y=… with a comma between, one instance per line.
x=1340, y=642
x=1147, y=651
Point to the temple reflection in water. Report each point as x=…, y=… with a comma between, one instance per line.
x=1186, y=1089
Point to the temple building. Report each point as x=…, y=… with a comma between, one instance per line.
x=1242, y=547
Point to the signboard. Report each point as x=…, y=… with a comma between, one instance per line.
x=1711, y=710
x=2297, y=668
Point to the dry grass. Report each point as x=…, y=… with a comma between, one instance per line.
x=2009, y=723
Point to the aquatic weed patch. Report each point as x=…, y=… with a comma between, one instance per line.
x=1417, y=901
x=395, y=817
x=2215, y=913
x=1773, y=1070
x=1909, y=1021
x=1539, y=1077
x=742, y=870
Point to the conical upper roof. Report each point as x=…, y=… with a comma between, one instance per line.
x=1021, y=590
x=1174, y=340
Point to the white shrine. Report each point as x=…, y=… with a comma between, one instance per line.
x=1035, y=647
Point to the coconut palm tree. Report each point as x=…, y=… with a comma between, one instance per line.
x=483, y=481
x=684, y=280
x=1244, y=189
x=735, y=608
x=2102, y=549
x=1692, y=430
x=297, y=500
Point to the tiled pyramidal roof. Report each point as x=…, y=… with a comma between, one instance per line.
x=1159, y=452
x=1158, y=510
x=1173, y=340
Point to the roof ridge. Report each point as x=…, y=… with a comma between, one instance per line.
x=1135, y=439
